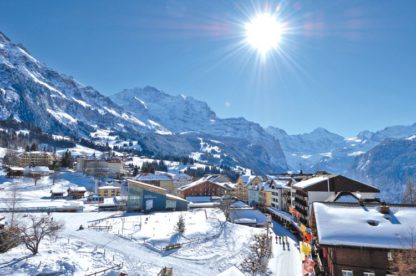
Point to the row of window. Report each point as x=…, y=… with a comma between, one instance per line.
x=348, y=272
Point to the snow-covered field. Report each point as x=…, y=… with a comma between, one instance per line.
x=137, y=241
x=30, y=195
x=210, y=246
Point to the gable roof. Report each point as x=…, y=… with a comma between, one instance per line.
x=210, y=179
x=364, y=226
x=247, y=179
x=335, y=183
x=147, y=187
x=152, y=177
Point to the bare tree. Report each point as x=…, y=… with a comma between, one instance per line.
x=37, y=229
x=225, y=207
x=409, y=194
x=403, y=262
x=260, y=253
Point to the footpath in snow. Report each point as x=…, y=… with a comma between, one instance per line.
x=285, y=262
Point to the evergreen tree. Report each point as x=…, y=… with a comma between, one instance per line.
x=180, y=225
x=135, y=171
x=67, y=160
x=34, y=147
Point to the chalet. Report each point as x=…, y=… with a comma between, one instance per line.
x=15, y=171
x=325, y=188
x=38, y=171
x=112, y=204
x=108, y=191
x=360, y=239
x=160, y=180
x=147, y=197
x=76, y=192
x=211, y=185
x=57, y=191
x=243, y=182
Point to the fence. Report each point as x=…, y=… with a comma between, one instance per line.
x=103, y=271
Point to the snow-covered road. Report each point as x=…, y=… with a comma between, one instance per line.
x=285, y=262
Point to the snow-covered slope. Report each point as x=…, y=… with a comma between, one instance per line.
x=323, y=150
x=32, y=92
x=193, y=122
x=388, y=166
x=303, y=151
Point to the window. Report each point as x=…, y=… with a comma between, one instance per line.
x=369, y=274
x=390, y=256
x=347, y=272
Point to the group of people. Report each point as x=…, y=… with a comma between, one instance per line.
x=284, y=241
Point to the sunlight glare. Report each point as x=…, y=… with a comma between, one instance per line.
x=263, y=33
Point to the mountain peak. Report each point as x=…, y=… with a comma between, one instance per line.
x=320, y=130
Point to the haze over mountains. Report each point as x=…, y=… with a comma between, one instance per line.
x=179, y=125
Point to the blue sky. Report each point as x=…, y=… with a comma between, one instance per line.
x=343, y=65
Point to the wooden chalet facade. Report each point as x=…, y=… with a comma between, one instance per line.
x=76, y=192
x=206, y=186
x=360, y=239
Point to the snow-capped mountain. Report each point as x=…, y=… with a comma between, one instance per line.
x=303, y=151
x=386, y=158
x=191, y=119
x=163, y=124
x=388, y=165
x=32, y=92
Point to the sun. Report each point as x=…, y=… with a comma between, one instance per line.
x=264, y=33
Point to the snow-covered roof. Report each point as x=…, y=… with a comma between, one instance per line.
x=364, y=226
x=38, y=169
x=312, y=181
x=244, y=215
x=57, y=189
x=77, y=189
x=108, y=202
x=225, y=185
x=248, y=178
x=199, y=198
x=173, y=197
x=239, y=204
x=108, y=187
x=232, y=271
x=16, y=168
x=36, y=152
x=175, y=176
x=280, y=183
x=152, y=177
